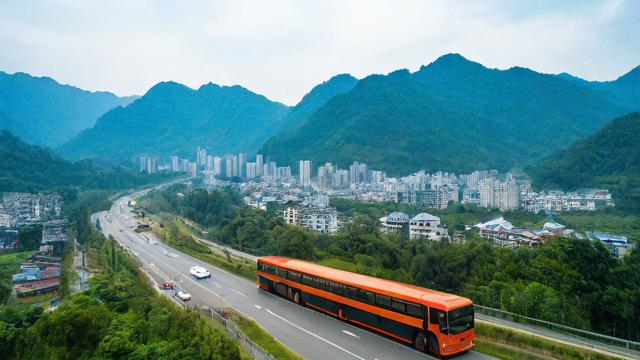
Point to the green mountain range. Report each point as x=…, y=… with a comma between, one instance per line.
x=454, y=115
x=174, y=119
x=42, y=111
x=310, y=103
x=33, y=168
x=610, y=158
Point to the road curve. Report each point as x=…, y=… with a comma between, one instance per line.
x=309, y=333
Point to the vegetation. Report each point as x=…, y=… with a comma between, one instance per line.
x=608, y=159
x=42, y=111
x=505, y=343
x=446, y=116
x=574, y=282
x=9, y=265
x=119, y=317
x=265, y=340
x=30, y=168
x=171, y=117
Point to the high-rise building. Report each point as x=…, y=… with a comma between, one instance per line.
x=175, y=165
x=148, y=164
x=228, y=167
x=259, y=163
x=504, y=195
x=305, y=172
x=251, y=170
x=234, y=164
x=201, y=157
x=242, y=165
x=217, y=166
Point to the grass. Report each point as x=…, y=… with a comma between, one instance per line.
x=504, y=343
x=265, y=340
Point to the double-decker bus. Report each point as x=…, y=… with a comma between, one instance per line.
x=433, y=321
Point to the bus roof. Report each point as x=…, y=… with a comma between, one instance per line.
x=443, y=301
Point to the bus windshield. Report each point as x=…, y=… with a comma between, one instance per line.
x=461, y=319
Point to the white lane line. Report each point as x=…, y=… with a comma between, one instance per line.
x=257, y=307
x=217, y=285
x=314, y=335
x=239, y=293
x=351, y=334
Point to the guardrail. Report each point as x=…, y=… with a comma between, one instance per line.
x=220, y=315
x=605, y=339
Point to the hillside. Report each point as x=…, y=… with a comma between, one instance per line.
x=299, y=114
x=174, y=119
x=32, y=168
x=454, y=115
x=609, y=158
x=42, y=111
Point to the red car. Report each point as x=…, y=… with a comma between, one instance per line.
x=167, y=285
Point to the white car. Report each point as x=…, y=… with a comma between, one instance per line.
x=183, y=296
x=199, y=272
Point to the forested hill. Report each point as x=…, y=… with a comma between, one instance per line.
x=174, y=119
x=453, y=114
x=299, y=114
x=42, y=111
x=609, y=158
x=31, y=168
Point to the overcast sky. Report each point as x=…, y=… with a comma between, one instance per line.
x=281, y=49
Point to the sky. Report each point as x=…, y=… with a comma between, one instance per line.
x=282, y=48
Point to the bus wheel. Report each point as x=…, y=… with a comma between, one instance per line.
x=433, y=345
x=419, y=342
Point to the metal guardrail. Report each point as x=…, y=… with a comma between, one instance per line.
x=223, y=317
x=220, y=315
x=605, y=339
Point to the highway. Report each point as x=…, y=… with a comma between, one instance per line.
x=309, y=333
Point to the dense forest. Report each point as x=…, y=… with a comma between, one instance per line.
x=609, y=159
x=453, y=115
x=31, y=168
x=118, y=317
x=575, y=282
x=172, y=119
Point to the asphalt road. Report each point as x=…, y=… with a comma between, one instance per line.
x=309, y=333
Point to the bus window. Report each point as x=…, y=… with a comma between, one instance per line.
x=283, y=273
x=398, y=305
x=307, y=280
x=442, y=322
x=414, y=310
x=294, y=276
x=383, y=300
x=439, y=317
x=461, y=319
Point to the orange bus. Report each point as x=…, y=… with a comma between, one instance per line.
x=433, y=321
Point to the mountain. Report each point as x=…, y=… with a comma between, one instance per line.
x=625, y=89
x=174, y=119
x=452, y=115
x=299, y=114
x=33, y=168
x=42, y=111
x=610, y=158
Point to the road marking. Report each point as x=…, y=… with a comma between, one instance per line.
x=217, y=285
x=315, y=335
x=238, y=292
x=351, y=334
x=257, y=307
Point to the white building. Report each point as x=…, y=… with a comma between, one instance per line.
x=426, y=226
x=322, y=220
x=305, y=172
x=394, y=222
x=291, y=216
x=504, y=195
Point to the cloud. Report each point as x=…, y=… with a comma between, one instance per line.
x=283, y=48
